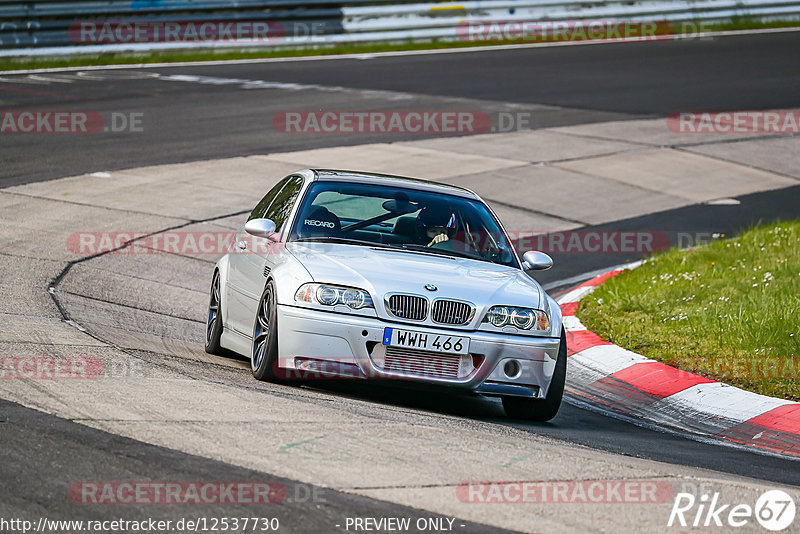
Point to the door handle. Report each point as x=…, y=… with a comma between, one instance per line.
x=242, y=244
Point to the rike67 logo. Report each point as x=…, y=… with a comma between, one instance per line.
x=774, y=510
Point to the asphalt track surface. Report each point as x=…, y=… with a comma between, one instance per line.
x=76, y=452
x=559, y=86
x=194, y=121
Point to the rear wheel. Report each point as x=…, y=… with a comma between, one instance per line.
x=214, y=321
x=542, y=409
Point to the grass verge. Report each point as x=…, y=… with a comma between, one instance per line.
x=729, y=311
x=173, y=56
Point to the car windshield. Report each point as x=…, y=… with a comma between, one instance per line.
x=408, y=219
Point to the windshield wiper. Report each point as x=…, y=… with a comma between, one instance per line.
x=344, y=241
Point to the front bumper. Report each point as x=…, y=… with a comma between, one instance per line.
x=312, y=340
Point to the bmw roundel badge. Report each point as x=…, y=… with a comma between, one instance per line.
x=431, y=287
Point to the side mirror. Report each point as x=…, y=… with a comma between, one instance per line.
x=261, y=228
x=537, y=261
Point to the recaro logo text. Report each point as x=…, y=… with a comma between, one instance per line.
x=313, y=222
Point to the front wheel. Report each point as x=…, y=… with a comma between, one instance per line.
x=541, y=410
x=264, y=353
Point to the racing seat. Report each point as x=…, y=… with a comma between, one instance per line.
x=406, y=227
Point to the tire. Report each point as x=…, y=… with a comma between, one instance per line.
x=264, y=353
x=541, y=410
x=214, y=321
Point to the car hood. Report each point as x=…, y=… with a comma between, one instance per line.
x=381, y=271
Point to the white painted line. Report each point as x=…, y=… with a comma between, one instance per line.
x=632, y=265
x=591, y=274
x=576, y=294
x=50, y=79
x=723, y=202
x=578, y=278
x=398, y=53
x=284, y=86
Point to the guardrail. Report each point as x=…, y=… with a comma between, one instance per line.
x=69, y=26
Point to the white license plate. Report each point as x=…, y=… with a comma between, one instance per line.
x=408, y=339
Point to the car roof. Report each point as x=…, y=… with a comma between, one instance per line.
x=389, y=179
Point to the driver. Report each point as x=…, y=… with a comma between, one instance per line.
x=435, y=226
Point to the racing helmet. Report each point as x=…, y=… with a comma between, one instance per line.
x=430, y=217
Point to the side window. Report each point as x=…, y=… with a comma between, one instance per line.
x=259, y=212
x=280, y=208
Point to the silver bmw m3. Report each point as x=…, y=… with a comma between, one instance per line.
x=347, y=274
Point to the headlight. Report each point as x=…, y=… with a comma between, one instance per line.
x=329, y=295
x=522, y=318
x=355, y=298
x=498, y=316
